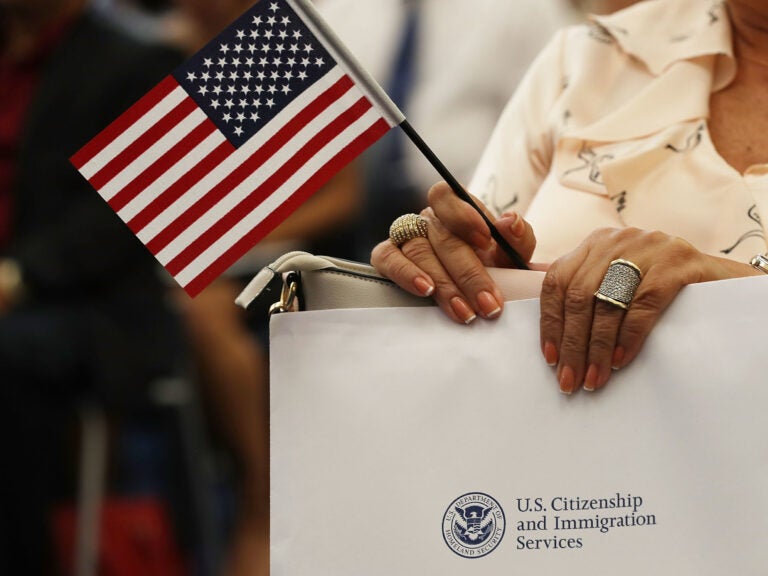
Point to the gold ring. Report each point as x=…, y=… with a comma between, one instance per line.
x=620, y=283
x=407, y=227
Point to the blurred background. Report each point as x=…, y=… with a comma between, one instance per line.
x=135, y=425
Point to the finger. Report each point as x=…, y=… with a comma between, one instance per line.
x=606, y=323
x=469, y=277
x=389, y=260
x=459, y=217
x=519, y=234
x=656, y=291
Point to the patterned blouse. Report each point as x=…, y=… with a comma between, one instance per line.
x=610, y=128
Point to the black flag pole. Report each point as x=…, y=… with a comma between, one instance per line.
x=459, y=190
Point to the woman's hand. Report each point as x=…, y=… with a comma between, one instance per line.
x=585, y=337
x=450, y=263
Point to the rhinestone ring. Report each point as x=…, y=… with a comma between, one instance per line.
x=407, y=227
x=619, y=283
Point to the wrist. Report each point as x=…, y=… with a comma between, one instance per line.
x=11, y=281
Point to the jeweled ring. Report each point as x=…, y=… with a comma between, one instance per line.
x=620, y=283
x=407, y=227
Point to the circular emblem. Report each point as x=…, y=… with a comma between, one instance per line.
x=473, y=525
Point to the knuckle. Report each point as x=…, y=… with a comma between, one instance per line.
x=551, y=283
x=470, y=276
x=572, y=345
x=577, y=301
x=418, y=250
x=601, y=343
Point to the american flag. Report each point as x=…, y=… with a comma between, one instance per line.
x=233, y=141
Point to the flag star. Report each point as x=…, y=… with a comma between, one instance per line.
x=235, y=62
x=279, y=48
x=296, y=34
x=208, y=62
x=256, y=103
x=264, y=61
x=265, y=47
x=215, y=104
x=275, y=75
x=283, y=34
x=287, y=75
x=319, y=62
x=219, y=75
x=247, y=75
x=244, y=103
x=276, y=61
x=222, y=62
x=191, y=77
x=229, y=104
x=270, y=102
x=261, y=75
x=258, y=89
x=205, y=76
x=271, y=90
x=240, y=34
x=307, y=48
x=294, y=48
x=254, y=34
x=291, y=62
x=202, y=90
x=217, y=90
x=273, y=6
x=271, y=21
x=240, y=117
x=249, y=62
x=268, y=34
x=226, y=117
x=305, y=62
x=256, y=20
x=231, y=89
x=234, y=75
x=285, y=89
x=255, y=116
x=224, y=48
x=302, y=75
x=286, y=21
x=239, y=131
x=251, y=48
x=238, y=48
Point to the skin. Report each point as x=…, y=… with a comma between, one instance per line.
x=583, y=337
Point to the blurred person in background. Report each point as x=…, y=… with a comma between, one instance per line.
x=82, y=308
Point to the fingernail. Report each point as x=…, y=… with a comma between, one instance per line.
x=550, y=353
x=590, y=380
x=517, y=225
x=618, y=358
x=489, y=306
x=567, y=380
x=462, y=310
x=424, y=286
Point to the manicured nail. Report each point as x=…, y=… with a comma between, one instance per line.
x=462, y=310
x=590, y=380
x=489, y=306
x=567, y=380
x=424, y=286
x=517, y=225
x=618, y=358
x=550, y=354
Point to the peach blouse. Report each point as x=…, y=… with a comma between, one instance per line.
x=609, y=128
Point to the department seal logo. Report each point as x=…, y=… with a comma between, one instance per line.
x=473, y=525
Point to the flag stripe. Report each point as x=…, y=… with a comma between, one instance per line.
x=151, y=154
x=152, y=176
x=198, y=161
x=200, y=279
x=145, y=208
x=135, y=130
x=140, y=146
x=184, y=198
x=88, y=152
x=318, y=113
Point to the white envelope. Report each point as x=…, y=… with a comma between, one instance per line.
x=405, y=444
